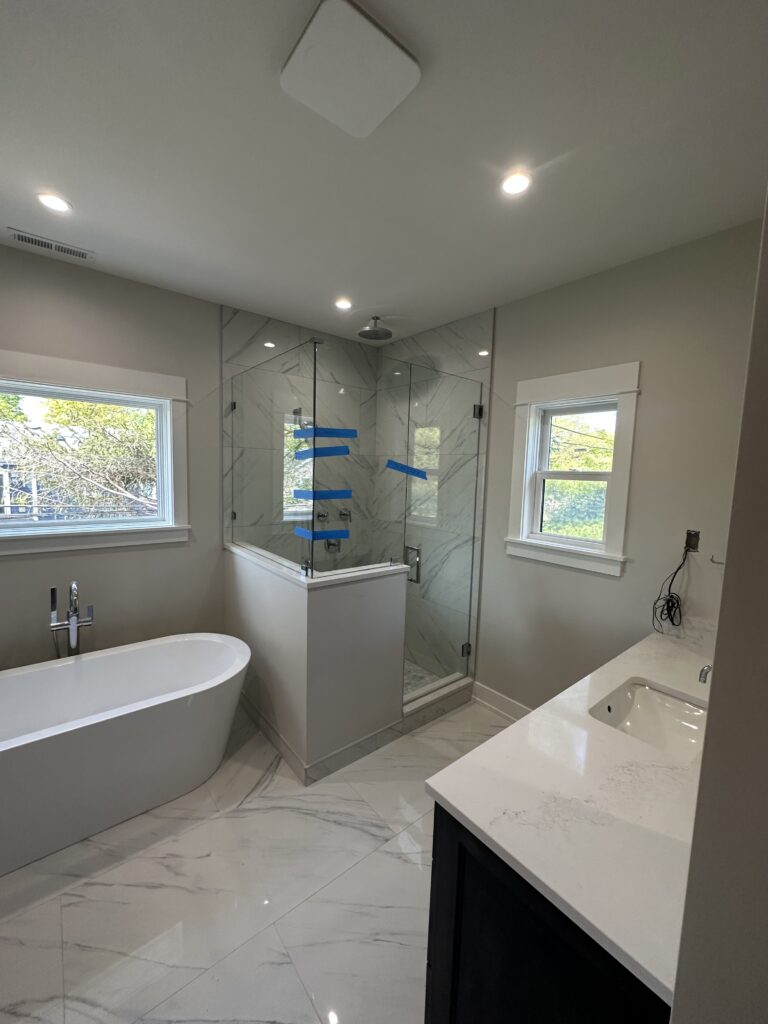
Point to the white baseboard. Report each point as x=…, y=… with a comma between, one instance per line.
x=511, y=709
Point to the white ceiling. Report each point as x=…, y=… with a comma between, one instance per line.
x=163, y=122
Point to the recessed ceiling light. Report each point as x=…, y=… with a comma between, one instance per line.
x=54, y=202
x=483, y=352
x=269, y=344
x=397, y=373
x=343, y=303
x=516, y=183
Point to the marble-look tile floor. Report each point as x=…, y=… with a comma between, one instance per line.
x=415, y=678
x=250, y=900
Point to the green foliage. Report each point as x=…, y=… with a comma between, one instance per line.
x=576, y=508
x=576, y=444
x=10, y=408
x=80, y=459
x=297, y=474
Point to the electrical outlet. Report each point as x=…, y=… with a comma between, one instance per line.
x=692, y=540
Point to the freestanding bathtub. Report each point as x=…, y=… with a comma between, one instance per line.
x=89, y=741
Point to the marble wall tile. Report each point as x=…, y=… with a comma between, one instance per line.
x=452, y=348
x=275, y=539
x=390, y=489
x=265, y=402
x=257, y=486
x=392, y=410
x=391, y=373
x=434, y=634
x=454, y=508
x=244, y=335
x=226, y=485
x=446, y=566
x=445, y=403
x=353, y=471
x=341, y=361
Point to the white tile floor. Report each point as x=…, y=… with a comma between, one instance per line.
x=415, y=678
x=251, y=899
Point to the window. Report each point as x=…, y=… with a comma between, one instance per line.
x=424, y=493
x=76, y=463
x=298, y=474
x=572, y=449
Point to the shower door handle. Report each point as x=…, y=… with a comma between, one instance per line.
x=412, y=558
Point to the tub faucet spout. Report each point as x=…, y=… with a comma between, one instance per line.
x=73, y=622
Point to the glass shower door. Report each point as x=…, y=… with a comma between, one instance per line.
x=443, y=445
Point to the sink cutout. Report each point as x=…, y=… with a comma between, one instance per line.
x=638, y=708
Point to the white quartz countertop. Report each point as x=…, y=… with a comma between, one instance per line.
x=599, y=822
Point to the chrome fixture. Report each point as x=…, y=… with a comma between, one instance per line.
x=704, y=674
x=412, y=558
x=73, y=623
x=345, y=513
x=372, y=332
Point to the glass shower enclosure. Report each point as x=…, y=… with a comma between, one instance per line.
x=338, y=458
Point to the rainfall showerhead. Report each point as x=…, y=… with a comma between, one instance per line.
x=373, y=332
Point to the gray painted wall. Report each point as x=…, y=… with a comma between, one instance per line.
x=49, y=307
x=721, y=973
x=685, y=314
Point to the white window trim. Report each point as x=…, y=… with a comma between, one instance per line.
x=615, y=384
x=22, y=369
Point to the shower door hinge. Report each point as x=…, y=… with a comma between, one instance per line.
x=477, y=412
x=466, y=649
x=232, y=406
x=233, y=514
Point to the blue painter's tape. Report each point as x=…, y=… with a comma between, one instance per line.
x=325, y=432
x=321, y=453
x=409, y=470
x=300, y=531
x=321, y=495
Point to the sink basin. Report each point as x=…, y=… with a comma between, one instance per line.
x=637, y=708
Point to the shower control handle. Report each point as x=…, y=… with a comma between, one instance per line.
x=412, y=558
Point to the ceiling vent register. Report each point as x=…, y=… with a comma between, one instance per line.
x=49, y=245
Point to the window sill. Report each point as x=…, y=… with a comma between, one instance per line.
x=37, y=541
x=565, y=555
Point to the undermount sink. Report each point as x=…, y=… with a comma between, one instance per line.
x=637, y=708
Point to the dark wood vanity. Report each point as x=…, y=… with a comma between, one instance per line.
x=501, y=953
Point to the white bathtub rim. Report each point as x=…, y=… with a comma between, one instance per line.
x=242, y=657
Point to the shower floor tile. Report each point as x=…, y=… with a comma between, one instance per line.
x=251, y=898
x=416, y=678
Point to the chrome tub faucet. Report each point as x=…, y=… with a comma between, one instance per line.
x=704, y=674
x=73, y=622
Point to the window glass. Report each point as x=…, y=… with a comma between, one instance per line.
x=581, y=440
x=66, y=458
x=574, y=508
x=426, y=455
x=297, y=473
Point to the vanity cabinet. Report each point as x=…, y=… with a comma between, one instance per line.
x=501, y=953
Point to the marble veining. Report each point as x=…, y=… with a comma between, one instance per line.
x=252, y=899
x=597, y=820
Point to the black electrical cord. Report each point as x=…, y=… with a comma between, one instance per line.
x=668, y=606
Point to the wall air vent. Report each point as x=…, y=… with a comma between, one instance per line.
x=48, y=245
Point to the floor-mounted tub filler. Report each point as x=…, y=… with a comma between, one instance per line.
x=89, y=741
